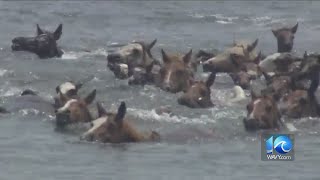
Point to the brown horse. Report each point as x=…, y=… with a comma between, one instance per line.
x=262, y=113
x=285, y=38
x=65, y=92
x=135, y=54
x=299, y=103
x=232, y=59
x=75, y=111
x=279, y=85
x=199, y=94
x=303, y=102
x=176, y=74
x=116, y=128
x=250, y=71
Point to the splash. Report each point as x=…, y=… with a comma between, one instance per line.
x=219, y=18
x=5, y=72
x=72, y=55
x=165, y=117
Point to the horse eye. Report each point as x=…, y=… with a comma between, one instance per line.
x=268, y=108
x=203, y=92
x=235, y=56
x=57, y=89
x=162, y=71
x=111, y=128
x=303, y=101
x=248, y=108
x=180, y=72
x=72, y=92
x=135, y=52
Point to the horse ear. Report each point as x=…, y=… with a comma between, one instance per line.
x=253, y=95
x=187, y=57
x=78, y=85
x=275, y=32
x=122, y=110
x=253, y=45
x=101, y=111
x=305, y=55
x=258, y=58
x=150, y=67
x=294, y=28
x=234, y=59
x=57, y=89
x=58, y=32
x=150, y=46
x=314, y=83
x=90, y=98
x=39, y=30
x=165, y=57
x=267, y=77
x=211, y=80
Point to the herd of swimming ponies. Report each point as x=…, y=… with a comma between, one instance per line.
x=291, y=82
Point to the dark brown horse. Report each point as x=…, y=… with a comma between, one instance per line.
x=176, y=73
x=44, y=44
x=303, y=102
x=75, y=111
x=285, y=38
x=262, y=113
x=199, y=94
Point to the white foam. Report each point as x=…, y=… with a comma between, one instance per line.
x=12, y=91
x=219, y=18
x=72, y=55
x=291, y=127
x=3, y=72
x=26, y=112
x=6, y=73
x=239, y=95
x=147, y=114
x=224, y=22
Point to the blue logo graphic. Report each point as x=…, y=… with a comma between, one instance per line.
x=269, y=145
x=282, y=144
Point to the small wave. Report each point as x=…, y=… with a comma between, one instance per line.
x=219, y=18
x=10, y=92
x=96, y=79
x=72, y=55
x=26, y=112
x=147, y=114
x=5, y=72
x=224, y=22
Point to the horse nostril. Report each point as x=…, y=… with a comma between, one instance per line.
x=113, y=57
x=167, y=87
x=206, y=66
x=87, y=137
x=15, y=40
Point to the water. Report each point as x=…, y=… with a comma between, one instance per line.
x=198, y=144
